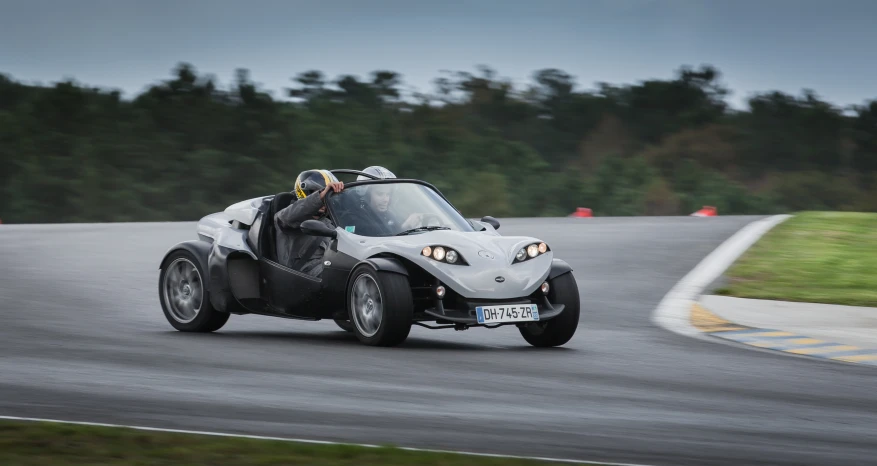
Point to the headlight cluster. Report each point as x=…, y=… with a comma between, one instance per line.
x=531, y=251
x=443, y=254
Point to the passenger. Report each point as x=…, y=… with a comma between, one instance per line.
x=296, y=249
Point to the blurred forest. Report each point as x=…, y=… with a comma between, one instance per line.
x=186, y=147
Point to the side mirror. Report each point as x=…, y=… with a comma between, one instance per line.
x=317, y=228
x=491, y=221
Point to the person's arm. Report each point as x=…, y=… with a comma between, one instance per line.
x=291, y=216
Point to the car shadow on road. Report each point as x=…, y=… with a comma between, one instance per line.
x=345, y=339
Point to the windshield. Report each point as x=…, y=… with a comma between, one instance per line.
x=394, y=208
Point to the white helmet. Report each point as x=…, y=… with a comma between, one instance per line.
x=377, y=171
x=374, y=170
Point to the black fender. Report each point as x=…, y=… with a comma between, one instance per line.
x=212, y=259
x=200, y=249
x=221, y=295
x=558, y=268
x=381, y=264
x=386, y=264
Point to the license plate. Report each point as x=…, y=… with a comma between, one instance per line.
x=507, y=313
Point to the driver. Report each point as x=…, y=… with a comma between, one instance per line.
x=295, y=249
x=374, y=214
x=374, y=217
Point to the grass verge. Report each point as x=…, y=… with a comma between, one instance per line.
x=26, y=443
x=818, y=257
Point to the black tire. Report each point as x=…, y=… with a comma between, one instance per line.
x=207, y=319
x=345, y=325
x=559, y=330
x=396, y=306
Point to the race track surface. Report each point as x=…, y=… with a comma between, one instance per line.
x=83, y=338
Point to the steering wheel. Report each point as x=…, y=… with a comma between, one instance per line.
x=424, y=220
x=431, y=220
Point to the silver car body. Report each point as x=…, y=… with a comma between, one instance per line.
x=491, y=273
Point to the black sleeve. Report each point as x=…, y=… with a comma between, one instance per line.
x=299, y=211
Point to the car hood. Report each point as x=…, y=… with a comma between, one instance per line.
x=489, y=257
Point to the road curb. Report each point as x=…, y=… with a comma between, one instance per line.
x=673, y=313
x=782, y=341
x=682, y=312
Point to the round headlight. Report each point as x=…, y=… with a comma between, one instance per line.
x=451, y=256
x=438, y=253
x=532, y=250
x=521, y=255
x=542, y=248
x=427, y=251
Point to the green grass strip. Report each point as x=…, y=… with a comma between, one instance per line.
x=26, y=443
x=818, y=257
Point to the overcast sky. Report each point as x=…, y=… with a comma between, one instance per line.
x=829, y=46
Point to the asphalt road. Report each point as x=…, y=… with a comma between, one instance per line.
x=82, y=337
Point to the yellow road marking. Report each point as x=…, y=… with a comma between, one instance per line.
x=803, y=341
x=834, y=348
x=794, y=341
x=767, y=334
x=722, y=328
x=706, y=321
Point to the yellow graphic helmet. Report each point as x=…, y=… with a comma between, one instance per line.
x=310, y=181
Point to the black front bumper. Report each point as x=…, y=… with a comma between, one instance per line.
x=462, y=311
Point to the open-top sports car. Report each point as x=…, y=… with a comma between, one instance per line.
x=410, y=258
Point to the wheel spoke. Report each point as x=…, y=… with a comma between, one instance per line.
x=173, y=276
x=176, y=295
x=373, y=289
x=375, y=320
x=196, y=297
x=183, y=290
x=366, y=304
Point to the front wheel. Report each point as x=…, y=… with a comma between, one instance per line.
x=184, y=297
x=380, y=305
x=559, y=330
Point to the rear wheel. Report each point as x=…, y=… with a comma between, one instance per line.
x=559, y=330
x=184, y=297
x=380, y=305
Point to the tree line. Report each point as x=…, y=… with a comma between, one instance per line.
x=186, y=146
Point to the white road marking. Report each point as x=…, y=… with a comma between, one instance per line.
x=673, y=311
x=320, y=442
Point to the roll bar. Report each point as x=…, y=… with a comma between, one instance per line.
x=353, y=172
